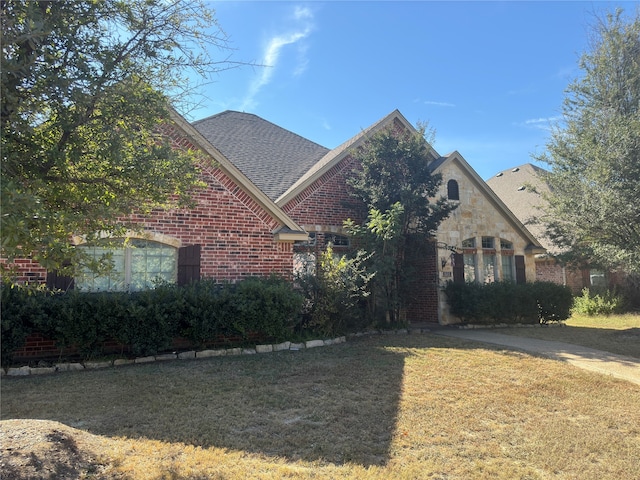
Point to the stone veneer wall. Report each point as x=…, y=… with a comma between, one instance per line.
x=477, y=216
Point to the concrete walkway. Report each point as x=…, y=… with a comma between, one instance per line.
x=619, y=366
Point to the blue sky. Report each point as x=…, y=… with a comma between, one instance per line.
x=489, y=77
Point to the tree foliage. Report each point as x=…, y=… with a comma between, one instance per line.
x=86, y=87
x=394, y=180
x=594, y=206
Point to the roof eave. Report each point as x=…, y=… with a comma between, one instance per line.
x=232, y=171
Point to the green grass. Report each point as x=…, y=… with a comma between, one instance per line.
x=384, y=406
x=619, y=334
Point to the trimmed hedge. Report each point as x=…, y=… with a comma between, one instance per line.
x=504, y=302
x=147, y=322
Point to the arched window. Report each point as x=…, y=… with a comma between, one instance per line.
x=452, y=190
x=136, y=264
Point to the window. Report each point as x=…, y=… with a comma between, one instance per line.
x=597, y=278
x=469, y=267
x=469, y=243
x=487, y=242
x=489, y=268
x=311, y=242
x=507, y=268
x=137, y=264
x=453, y=193
x=337, y=240
x=505, y=245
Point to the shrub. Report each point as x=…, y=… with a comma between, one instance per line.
x=505, y=302
x=147, y=322
x=554, y=301
x=268, y=306
x=606, y=302
x=334, y=294
x=23, y=309
x=204, y=311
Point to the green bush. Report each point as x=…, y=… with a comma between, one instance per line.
x=23, y=310
x=605, y=302
x=334, y=294
x=505, y=302
x=204, y=309
x=554, y=301
x=146, y=322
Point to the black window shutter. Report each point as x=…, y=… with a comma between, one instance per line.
x=458, y=268
x=521, y=277
x=55, y=281
x=188, y=264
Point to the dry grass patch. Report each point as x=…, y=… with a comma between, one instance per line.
x=619, y=334
x=377, y=407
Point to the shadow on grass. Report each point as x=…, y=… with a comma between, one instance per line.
x=337, y=404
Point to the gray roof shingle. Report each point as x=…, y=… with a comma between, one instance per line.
x=270, y=156
x=513, y=186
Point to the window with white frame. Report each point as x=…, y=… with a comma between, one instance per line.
x=137, y=264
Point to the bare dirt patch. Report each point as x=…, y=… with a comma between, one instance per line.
x=43, y=449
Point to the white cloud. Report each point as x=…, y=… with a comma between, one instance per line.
x=541, y=123
x=274, y=46
x=439, y=104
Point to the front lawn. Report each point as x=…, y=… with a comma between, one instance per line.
x=383, y=406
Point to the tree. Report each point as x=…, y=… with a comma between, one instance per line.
x=86, y=89
x=395, y=182
x=593, y=209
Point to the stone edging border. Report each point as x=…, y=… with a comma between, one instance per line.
x=194, y=355
x=188, y=355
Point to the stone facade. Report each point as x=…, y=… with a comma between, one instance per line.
x=480, y=214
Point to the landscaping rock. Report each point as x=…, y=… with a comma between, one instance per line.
x=234, y=351
x=69, y=367
x=314, y=343
x=296, y=346
x=264, y=348
x=19, y=371
x=211, y=353
x=282, y=346
x=145, y=359
x=123, y=361
x=93, y=365
x=187, y=355
x=249, y=351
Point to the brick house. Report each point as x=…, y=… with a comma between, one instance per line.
x=273, y=197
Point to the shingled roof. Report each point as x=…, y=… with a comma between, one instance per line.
x=270, y=156
x=514, y=187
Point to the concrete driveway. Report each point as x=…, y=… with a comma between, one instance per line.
x=619, y=366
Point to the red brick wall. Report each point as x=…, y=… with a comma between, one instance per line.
x=27, y=271
x=423, y=302
x=549, y=271
x=235, y=232
x=326, y=201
